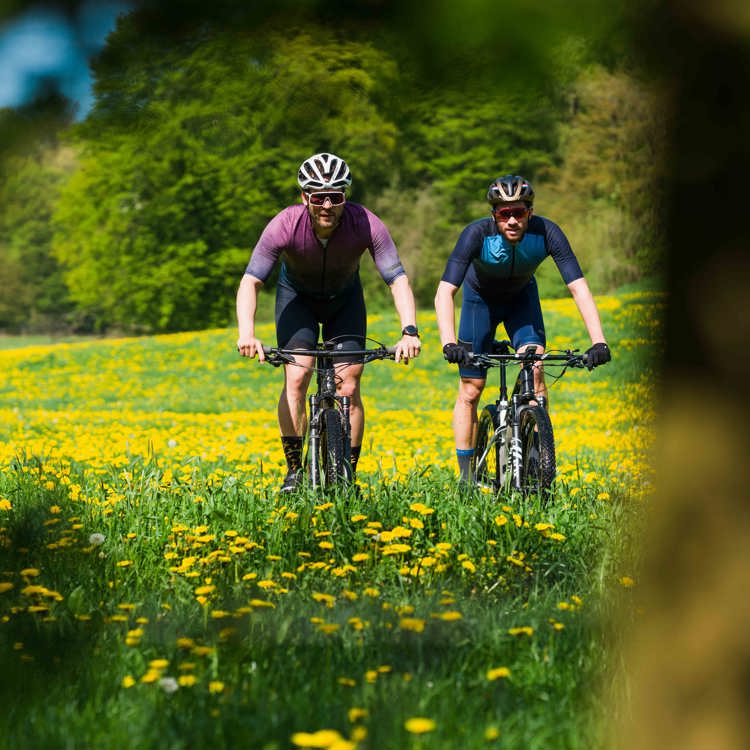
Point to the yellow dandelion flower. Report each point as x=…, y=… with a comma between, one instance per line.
x=491, y=733
x=501, y=520
x=450, y=616
x=124, y=563
x=627, y=582
x=355, y=714
x=187, y=680
x=5, y=504
x=524, y=630
x=30, y=572
x=497, y=672
x=421, y=508
x=215, y=686
x=128, y=681
x=323, y=738
x=414, y=624
x=357, y=517
x=419, y=725
x=5, y=586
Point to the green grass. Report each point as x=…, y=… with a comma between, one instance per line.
x=287, y=614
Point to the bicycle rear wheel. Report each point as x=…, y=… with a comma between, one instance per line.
x=334, y=468
x=488, y=463
x=537, y=451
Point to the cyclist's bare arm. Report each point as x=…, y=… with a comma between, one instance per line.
x=445, y=310
x=247, y=302
x=403, y=298
x=586, y=305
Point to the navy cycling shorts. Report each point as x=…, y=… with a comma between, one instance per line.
x=302, y=318
x=521, y=314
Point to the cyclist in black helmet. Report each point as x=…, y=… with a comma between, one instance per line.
x=320, y=242
x=496, y=257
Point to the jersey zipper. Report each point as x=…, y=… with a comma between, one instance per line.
x=512, y=260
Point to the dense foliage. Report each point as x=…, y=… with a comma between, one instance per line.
x=150, y=209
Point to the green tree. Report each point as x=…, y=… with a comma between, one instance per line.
x=33, y=295
x=188, y=153
x=607, y=190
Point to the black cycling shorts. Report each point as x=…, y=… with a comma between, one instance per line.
x=300, y=318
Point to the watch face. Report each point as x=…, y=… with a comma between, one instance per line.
x=410, y=331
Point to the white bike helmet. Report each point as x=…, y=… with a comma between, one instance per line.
x=324, y=172
x=509, y=189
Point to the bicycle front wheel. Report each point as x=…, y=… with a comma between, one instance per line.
x=487, y=462
x=334, y=467
x=537, y=451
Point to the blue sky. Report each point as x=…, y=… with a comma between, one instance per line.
x=41, y=43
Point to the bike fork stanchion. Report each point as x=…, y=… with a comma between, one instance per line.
x=516, y=450
x=345, y=409
x=314, y=446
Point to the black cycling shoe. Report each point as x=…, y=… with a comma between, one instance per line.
x=292, y=480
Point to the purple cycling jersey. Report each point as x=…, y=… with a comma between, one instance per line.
x=318, y=269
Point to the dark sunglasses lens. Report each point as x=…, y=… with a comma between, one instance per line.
x=318, y=199
x=516, y=213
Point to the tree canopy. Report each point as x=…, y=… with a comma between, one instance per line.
x=196, y=135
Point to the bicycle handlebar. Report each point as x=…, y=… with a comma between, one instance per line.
x=568, y=358
x=276, y=356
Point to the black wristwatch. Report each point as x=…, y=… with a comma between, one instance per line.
x=410, y=331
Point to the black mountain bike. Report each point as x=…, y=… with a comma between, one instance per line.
x=515, y=445
x=328, y=455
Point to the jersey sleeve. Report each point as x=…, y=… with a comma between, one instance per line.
x=562, y=253
x=269, y=247
x=383, y=250
x=468, y=247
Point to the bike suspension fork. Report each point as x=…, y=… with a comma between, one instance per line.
x=345, y=409
x=313, y=448
x=516, y=452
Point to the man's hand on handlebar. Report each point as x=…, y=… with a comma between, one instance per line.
x=408, y=348
x=596, y=355
x=456, y=354
x=249, y=346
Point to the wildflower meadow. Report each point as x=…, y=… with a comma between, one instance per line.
x=157, y=592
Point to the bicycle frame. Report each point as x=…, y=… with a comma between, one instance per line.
x=506, y=440
x=326, y=397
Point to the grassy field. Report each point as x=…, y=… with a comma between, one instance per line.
x=155, y=592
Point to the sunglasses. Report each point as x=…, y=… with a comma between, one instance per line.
x=318, y=199
x=517, y=212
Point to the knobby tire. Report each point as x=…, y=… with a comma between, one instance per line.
x=332, y=462
x=486, y=471
x=538, y=451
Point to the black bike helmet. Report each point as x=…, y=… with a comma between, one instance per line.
x=509, y=189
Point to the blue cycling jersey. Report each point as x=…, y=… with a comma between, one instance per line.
x=494, y=267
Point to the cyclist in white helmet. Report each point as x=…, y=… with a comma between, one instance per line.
x=320, y=242
x=496, y=257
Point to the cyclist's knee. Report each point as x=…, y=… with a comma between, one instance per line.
x=297, y=381
x=470, y=390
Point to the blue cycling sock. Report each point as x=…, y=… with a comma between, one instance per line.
x=464, y=456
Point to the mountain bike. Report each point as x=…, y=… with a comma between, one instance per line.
x=515, y=445
x=328, y=455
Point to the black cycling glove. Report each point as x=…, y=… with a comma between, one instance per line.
x=456, y=354
x=597, y=355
